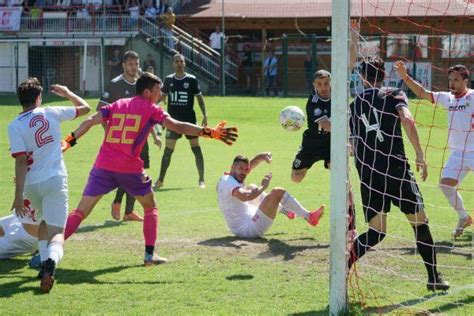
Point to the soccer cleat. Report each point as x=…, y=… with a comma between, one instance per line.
x=133, y=216
x=462, y=224
x=47, y=279
x=438, y=285
x=115, y=211
x=35, y=261
x=151, y=260
x=202, y=184
x=158, y=184
x=315, y=216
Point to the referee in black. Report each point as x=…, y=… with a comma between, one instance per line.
x=180, y=88
x=377, y=117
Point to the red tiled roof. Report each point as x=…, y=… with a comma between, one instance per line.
x=323, y=8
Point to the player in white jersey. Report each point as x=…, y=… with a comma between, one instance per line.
x=35, y=143
x=248, y=210
x=459, y=102
x=19, y=235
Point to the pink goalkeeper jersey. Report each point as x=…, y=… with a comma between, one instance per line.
x=129, y=122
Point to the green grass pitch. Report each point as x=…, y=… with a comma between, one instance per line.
x=211, y=272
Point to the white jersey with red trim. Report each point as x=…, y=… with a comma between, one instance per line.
x=37, y=134
x=460, y=119
x=236, y=212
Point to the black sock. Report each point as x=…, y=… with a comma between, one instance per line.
x=150, y=249
x=363, y=243
x=427, y=250
x=352, y=217
x=119, y=195
x=165, y=163
x=129, y=204
x=199, y=161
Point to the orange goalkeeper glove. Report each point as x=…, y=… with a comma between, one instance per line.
x=68, y=142
x=227, y=135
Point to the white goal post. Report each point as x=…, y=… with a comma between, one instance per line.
x=339, y=155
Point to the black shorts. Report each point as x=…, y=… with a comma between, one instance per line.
x=399, y=188
x=145, y=156
x=311, y=152
x=173, y=135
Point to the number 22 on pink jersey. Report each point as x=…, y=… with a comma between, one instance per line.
x=123, y=129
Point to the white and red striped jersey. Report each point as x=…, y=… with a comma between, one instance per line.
x=460, y=118
x=37, y=134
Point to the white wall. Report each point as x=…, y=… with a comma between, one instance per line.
x=8, y=80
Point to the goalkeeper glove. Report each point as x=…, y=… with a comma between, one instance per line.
x=227, y=135
x=68, y=142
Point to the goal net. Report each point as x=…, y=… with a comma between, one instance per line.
x=429, y=37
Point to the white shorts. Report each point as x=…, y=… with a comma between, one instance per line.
x=50, y=199
x=458, y=165
x=16, y=240
x=256, y=225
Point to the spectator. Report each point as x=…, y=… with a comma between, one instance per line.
x=215, y=39
x=270, y=70
x=134, y=11
x=115, y=63
x=168, y=20
x=309, y=70
x=164, y=6
x=150, y=11
x=149, y=62
x=151, y=70
x=247, y=65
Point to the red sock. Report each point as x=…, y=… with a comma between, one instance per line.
x=150, y=226
x=74, y=219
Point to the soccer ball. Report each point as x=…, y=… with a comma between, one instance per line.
x=292, y=118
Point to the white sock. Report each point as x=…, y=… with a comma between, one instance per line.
x=56, y=251
x=454, y=199
x=283, y=209
x=291, y=204
x=43, y=250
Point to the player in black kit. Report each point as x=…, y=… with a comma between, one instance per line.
x=316, y=143
x=377, y=116
x=123, y=86
x=180, y=89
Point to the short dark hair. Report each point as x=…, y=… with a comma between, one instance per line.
x=147, y=81
x=241, y=158
x=373, y=69
x=321, y=74
x=463, y=71
x=178, y=55
x=130, y=54
x=28, y=91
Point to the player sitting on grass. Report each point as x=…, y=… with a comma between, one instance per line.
x=40, y=172
x=19, y=235
x=459, y=103
x=248, y=210
x=128, y=123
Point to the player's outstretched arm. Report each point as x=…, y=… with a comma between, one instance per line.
x=81, y=105
x=227, y=135
x=264, y=156
x=414, y=86
x=411, y=130
x=83, y=128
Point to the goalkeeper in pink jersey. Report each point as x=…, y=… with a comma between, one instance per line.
x=118, y=164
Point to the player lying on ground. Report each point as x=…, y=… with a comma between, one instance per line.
x=19, y=235
x=460, y=104
x=40, y=172
x=128, y=123
x=377, y=117
x=248, y=210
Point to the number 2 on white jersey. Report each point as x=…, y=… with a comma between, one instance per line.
x=40, y=138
